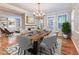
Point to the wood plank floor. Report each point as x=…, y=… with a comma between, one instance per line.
x=68, y=47
x=3, y=45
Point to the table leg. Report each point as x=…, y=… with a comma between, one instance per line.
x=35, y=47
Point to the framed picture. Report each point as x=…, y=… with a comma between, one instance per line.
x=29, y=20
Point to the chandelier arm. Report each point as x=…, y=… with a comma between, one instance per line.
x=39, y=14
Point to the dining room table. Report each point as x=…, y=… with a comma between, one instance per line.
x=36, y=38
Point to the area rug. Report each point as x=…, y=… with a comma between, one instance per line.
x=58, y=50
x=16, y=50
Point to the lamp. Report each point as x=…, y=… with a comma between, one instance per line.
x=39, y=13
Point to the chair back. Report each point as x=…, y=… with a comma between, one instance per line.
x=2, y=31
x=7, y=31
x=50, y=41
x=24, y=42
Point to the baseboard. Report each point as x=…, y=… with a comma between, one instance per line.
x=75, y=45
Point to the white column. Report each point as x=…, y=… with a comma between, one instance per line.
x=23, y=21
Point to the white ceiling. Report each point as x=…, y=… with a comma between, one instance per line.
x=9, y=10
x=20, y=8
x=46, y=7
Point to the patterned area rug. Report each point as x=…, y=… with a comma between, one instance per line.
x=58, y=50
x=16, y=50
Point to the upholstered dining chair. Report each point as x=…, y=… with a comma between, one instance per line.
x=7, y=31
x=2, y=31
x=24, y=43
x=49, y=44
x=54, y=35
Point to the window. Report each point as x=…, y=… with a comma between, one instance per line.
x=11, y=22
x=61, y=20
x=50, y=22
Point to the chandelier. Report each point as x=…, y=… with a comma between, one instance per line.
x=39, y=14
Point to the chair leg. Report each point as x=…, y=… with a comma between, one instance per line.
x=55, y=45
x=40, y=50
x=53, y=49
x=51, y=52
x=24, y=52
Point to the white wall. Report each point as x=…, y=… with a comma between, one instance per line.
x=75, y=26
x=55, y=15
x=23, y=21
x=24, y=24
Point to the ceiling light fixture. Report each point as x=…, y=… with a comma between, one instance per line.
x=39, y=14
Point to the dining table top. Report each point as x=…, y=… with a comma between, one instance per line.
x=37, y=35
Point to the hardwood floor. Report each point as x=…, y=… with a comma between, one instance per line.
x=3, y=44
x=68, y=47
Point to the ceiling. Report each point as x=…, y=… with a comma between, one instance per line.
x=20, y=8
x=46, y=7
x=9, y=10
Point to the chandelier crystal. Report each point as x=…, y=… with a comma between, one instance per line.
x=39, y=14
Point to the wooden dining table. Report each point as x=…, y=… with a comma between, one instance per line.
x=36, y=37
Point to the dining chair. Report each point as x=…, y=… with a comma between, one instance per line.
x=2, y=31
x=49, y=44
x=24, y=43
x=54, y=35
x=7, y=31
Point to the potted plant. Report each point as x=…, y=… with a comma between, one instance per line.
x=66, y=29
